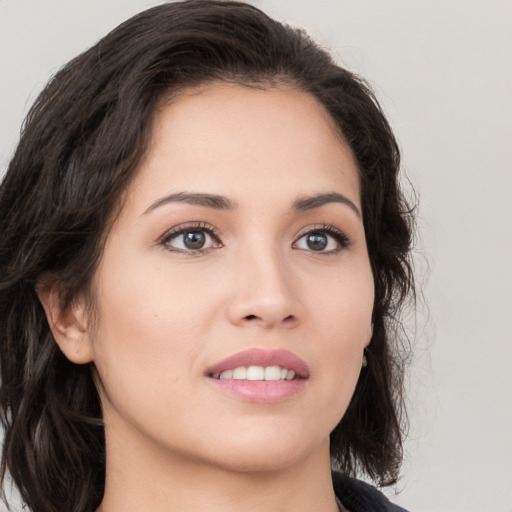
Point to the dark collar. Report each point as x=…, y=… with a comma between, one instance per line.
x=358, y=496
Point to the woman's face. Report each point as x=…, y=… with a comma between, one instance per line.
x=240, y=244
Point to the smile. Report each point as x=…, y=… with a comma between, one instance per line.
x=258, y=375
x=272, y=373
x=260, y=364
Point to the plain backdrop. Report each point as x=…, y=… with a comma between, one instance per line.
x=443, y=71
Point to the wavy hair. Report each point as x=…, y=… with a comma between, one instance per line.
x=80, y=148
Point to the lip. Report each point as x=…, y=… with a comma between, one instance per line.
x=261, y=357
x=264, y=392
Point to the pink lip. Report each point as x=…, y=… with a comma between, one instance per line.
x=259, y=390
x=260, y=357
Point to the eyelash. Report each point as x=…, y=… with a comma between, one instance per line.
x=187, y=228
x=341, y=238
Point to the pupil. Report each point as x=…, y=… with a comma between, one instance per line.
x=317, y=241
x=194, y=239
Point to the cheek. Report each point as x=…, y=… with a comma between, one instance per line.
x=145, y=355
x=152, y=304
x=154, y=321
x=144, y=333
x=343, y=303
x=343, y=313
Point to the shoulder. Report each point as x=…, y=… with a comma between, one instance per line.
x=358, y=496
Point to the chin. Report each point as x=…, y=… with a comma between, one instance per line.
x=260, y=461
x=264, y=451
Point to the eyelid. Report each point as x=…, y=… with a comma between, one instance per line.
x=189, y=226
x=340, y=236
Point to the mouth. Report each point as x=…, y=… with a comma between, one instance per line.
x=258, y=375
x=269, y=373
x=258, y=364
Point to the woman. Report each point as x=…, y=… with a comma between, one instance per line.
x=203, y=254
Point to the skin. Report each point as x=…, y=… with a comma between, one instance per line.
x=164, y=314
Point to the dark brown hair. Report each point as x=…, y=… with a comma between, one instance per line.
x=80, y=147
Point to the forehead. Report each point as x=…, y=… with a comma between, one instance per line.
x=226, y=138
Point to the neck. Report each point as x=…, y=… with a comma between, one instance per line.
x=151, y=480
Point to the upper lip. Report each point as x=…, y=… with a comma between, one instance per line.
x=262, y=357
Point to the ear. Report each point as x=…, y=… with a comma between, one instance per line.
x=68, y=324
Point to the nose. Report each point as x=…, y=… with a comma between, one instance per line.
x=265, y=293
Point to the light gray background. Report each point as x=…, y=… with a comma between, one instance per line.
x=443, y=71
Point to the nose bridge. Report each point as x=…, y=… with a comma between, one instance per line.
x=264, y=291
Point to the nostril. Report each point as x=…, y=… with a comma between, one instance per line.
x=268, y=320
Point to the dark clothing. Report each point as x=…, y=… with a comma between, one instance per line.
x=359, y=496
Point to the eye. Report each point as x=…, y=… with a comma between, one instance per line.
x=326, y=239
x=190, y=239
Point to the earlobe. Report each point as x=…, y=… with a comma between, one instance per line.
x=68, y=324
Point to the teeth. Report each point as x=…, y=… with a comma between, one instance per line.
x=226, y=374
x=257, y=373
x=290, y=374
x=272, y=373
x=240, y=373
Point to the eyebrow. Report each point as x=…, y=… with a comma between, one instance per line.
x=316, y=201
x=199, y=199
x=223, y=203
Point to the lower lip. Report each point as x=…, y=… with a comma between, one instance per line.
x=262, y=391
